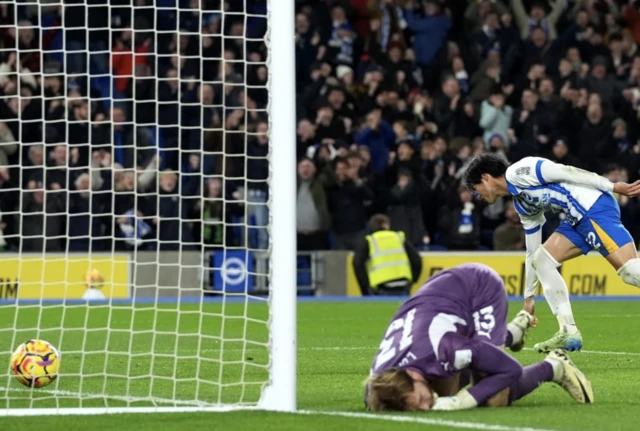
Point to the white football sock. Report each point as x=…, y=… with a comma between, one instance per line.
x=630, y=272
x=516, y=333
x=558, y=369
x=555, y=289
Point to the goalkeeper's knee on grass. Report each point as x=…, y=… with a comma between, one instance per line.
x=630, y=272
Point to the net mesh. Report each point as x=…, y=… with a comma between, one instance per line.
x=134, y=159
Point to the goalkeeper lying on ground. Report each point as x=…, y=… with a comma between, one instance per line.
x=452, y=331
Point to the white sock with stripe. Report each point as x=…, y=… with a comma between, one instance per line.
x=555, y=289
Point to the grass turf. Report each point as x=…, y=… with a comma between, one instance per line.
x=336, y=344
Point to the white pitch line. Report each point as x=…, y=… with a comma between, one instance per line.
x=597, y=352
x=391, y=418
x=93, y=411
x=421, y=420
x=63, y=393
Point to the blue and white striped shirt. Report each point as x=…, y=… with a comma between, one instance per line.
x=539, y=185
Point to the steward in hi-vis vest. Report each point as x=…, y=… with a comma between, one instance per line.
x=384, y=263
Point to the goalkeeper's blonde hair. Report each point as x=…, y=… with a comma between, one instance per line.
x=389, y=390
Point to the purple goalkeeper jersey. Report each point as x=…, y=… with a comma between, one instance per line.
x=432, y=330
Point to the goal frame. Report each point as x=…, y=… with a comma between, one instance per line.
x=280, y=392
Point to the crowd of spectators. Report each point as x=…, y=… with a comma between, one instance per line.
x=397, y=96
x=144, y=124
x=133, y=125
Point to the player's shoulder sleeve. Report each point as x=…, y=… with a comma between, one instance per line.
x=524, y=174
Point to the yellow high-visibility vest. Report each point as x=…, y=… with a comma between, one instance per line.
x=388, y=260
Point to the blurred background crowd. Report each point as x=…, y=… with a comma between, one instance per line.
x=145, y=126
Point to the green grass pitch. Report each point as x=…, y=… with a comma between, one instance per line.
x=336, y=343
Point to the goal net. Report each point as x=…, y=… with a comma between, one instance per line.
x=146, y=187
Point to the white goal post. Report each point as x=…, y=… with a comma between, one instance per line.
x=136, y=225
x=281, y=394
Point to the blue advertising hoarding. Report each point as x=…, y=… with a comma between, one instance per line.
x=232, y=271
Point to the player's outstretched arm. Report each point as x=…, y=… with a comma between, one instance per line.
x=532, y=282
x=533, y=240
x=550, y=172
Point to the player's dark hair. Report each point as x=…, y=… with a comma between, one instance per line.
x=389, y=390
x=487, y=163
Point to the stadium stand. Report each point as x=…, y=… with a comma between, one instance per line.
x=394, y=98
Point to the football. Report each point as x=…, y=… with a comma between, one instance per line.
x=93, y=279
x=35, y=363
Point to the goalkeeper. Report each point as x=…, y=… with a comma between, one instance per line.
x=454, y=329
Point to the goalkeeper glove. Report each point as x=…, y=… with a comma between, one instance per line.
x=462, y=401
